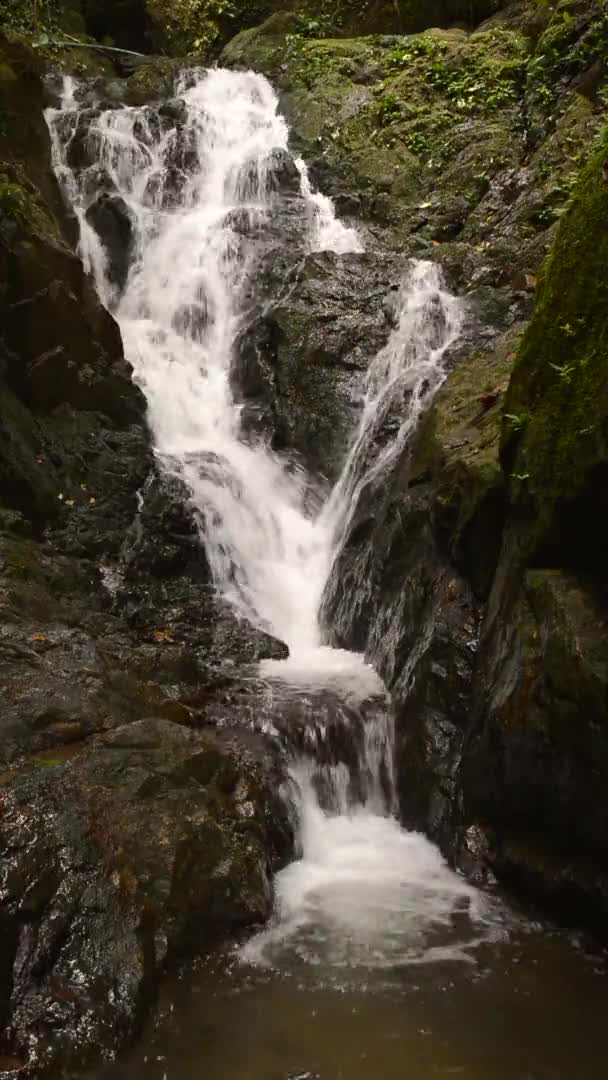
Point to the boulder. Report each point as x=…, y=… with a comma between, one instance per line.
x=110, y=217
x=300, y=367
x=146, y=843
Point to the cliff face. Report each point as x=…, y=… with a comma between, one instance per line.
x=535, y=758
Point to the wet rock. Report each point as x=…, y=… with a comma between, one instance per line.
x=415, y=567
x=83, y=150
x=285, y=175
x=109, y=216
x=91, y=914
x=176, y=111
x=300, y=368
x=536, y=749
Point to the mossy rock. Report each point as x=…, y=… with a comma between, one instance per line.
x=555, y=437
x=152, y=81
x=393, y=118
x=457, y=447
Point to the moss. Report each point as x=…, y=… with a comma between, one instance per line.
x=457, y=448
x=264, y=47
x=199, y=26
x=20, y=203
x=561, y=377
x=152, y=81
x=573, y=42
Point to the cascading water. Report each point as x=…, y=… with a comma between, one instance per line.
x=201, y=194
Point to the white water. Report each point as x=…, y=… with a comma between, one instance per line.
x=368, y=894
x=372, y=890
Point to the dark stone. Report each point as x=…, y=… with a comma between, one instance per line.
x=110, y=217
x=300, y=367
x=175, y=111
x=284, y=173
x=95, y=904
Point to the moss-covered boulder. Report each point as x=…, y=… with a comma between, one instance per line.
x=555, y=436
x=457, y=449
x=534, y=768
x=424, y=132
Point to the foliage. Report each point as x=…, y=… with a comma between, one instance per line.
x=471, y=82
x=575, y=39
x=33, y=18
x=192, y=25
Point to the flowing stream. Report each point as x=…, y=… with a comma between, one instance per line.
x=368, y=906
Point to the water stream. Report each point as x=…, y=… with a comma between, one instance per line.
x=367, y=905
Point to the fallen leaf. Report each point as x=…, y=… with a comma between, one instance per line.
x=163, y=635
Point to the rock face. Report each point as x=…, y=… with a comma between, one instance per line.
x=409, y=584
x=300, y=367
x=472, y=577
x=536, y=753
x=148, y=841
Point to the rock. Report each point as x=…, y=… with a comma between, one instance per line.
x=109, y=216
x=284, y=173
x=91, y=913
x=410, y=580
x=153, y=81
x=536, y=749
x=524, y=282
x=175, y=111
x=300, y=367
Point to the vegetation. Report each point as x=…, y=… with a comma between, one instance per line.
x=561, y=375
x=31, y=17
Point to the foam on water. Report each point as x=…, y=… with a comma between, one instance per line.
x=367, y=894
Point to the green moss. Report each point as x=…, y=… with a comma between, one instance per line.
x=575, y=39
x=21, y=203
x=561, y=377
x=31, y=17
x=152, y=81
x=457, y=448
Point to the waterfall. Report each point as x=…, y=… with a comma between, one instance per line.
x=401, y=381
x=201, y=183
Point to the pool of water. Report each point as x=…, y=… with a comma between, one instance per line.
x=530, y=1008
x=381, y=963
